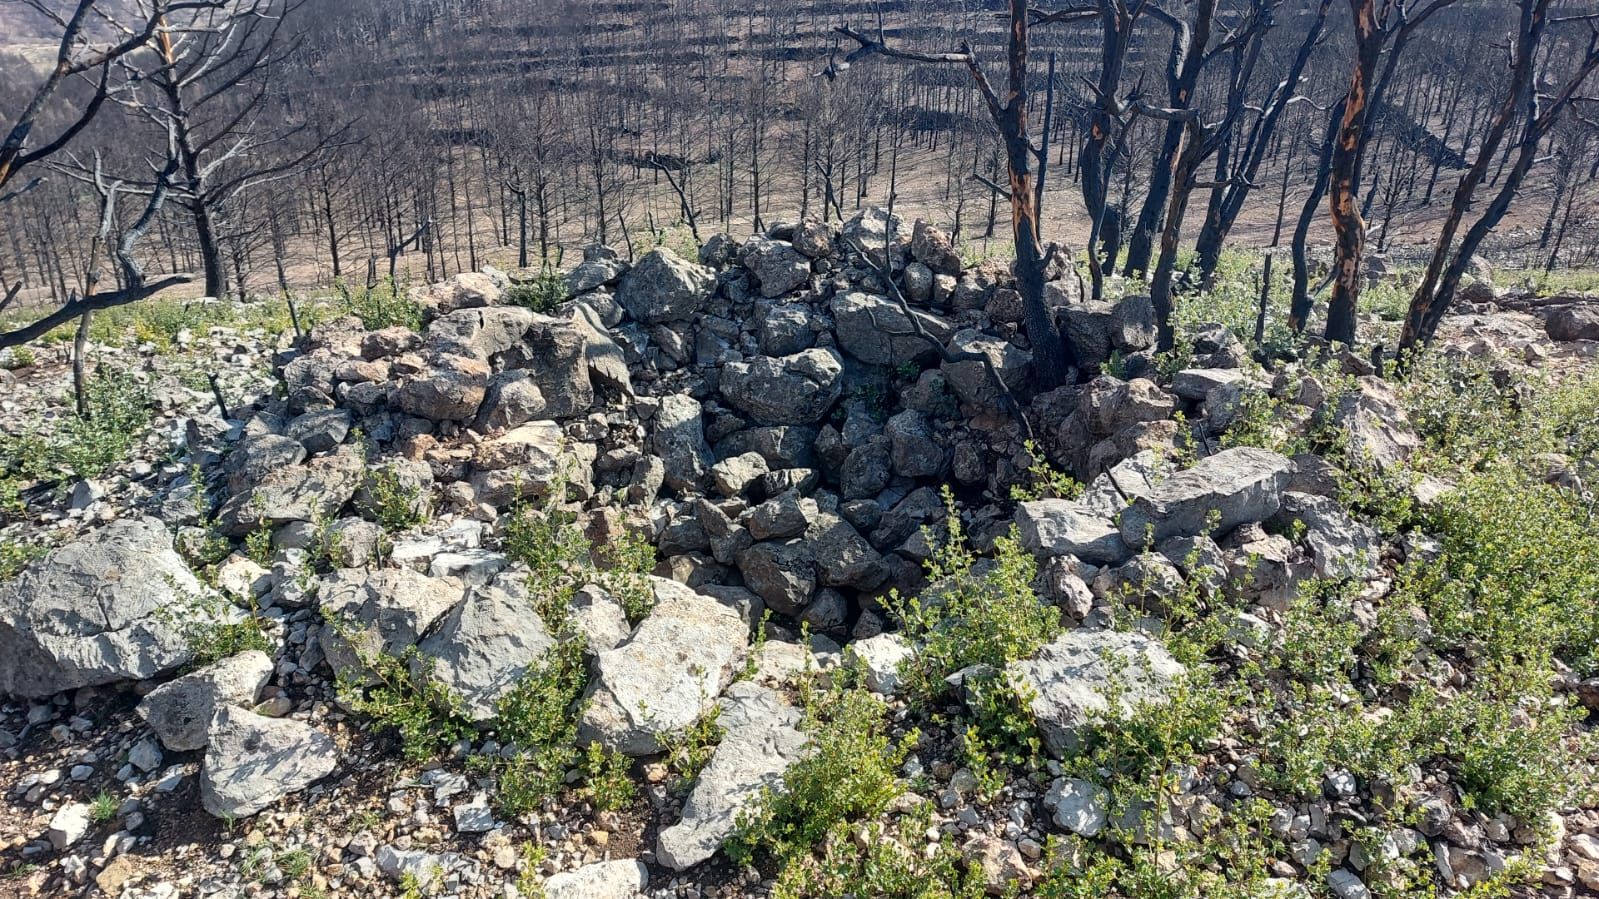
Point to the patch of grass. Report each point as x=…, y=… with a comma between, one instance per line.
x=103, y=807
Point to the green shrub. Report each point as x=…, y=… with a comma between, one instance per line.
x=15, y=556
x=606, y=779
x=561, y=559
x=972, y=614
x=1044, y=481
x=1518, y=581
x=390, y=503
x=18, y=357
x=539, y=719
x=851, y=776
x=689, y=750
x=382, y=306
x=543, y=295
x=547, y=539
x=215, y=629
x=399, y=695
x=882, y=861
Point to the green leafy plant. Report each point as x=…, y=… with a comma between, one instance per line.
x=690, y=749
x=539, y=719
x=399, y=693
x=381, y=306
x=970, y=615
x=543, y=294
x=19, y=357
x=390, y=503
x=15, y=556
x=606, y=779
x=1045, y=481
x=849, y=777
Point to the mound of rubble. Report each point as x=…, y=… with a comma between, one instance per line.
x=780, y=421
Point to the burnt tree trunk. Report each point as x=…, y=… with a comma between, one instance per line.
x=1343, y=176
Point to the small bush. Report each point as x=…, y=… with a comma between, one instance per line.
x=851, y=776
x=689, y=750
x=382, y=306
x=390, y=503
x=18, y=357
x=1044, y=481
x=892, y=861
x=543, y=295
x=427, y=716
x=215, y=629
x=15, y=556
x=972, y=614
x=539, y=719
x=561, y=559
x=606, y=778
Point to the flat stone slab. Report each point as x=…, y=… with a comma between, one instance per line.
x=1233, y=487
x=763, y=740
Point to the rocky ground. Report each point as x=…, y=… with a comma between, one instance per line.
x=552, y=602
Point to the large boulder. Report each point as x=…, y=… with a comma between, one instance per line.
x=1086, y=676
x=257, y=456
x=485, y=333
x=874, y=228
x=969, y=378
x=528, y=461
x=619, y=878
x=781, y=572
x=450, y=389
x=180, y=711
x=668, y=674
x=792, y=390
x=1379, y=428
x=380, y=612
x=877, y=331
x=1235, y=486
x=594, y=273
x=313, y=492
x=252, y=761
x=607, y=363
x=777, y=266
x=762, y=741
x=483, y=646
x=1096, y=329
x=934, y=249
x=1574, y=322
x=547, y=376
x=468, y=290
x=107, y=607
x=664, y=287
x=1058, y=527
